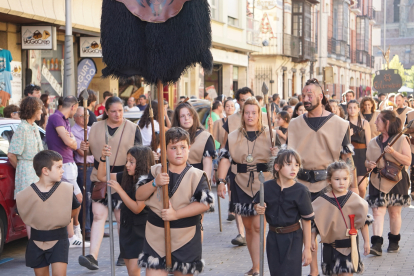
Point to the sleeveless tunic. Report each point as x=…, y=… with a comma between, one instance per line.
x=373, y=127
x=358, y=139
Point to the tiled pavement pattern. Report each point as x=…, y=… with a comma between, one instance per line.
x=221, y=257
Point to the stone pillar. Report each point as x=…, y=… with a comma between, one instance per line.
x=227, y=79
x=243, y=77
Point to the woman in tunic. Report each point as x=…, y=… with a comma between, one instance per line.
x=133, y=212
x=250, y=150
x=384, y=193
x=287, y=202
x=367, y=107
x=360, y=133
x=26, y=143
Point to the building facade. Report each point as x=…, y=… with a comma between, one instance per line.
x=287, y=32
x=21, y=19
x=345, y=43
x=399, y=31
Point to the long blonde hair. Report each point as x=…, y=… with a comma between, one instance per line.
x=250, y=101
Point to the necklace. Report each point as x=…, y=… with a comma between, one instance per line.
x=249, y=157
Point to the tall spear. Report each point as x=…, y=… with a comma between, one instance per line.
x=210, y=129
x=85, y=97
x=165, y=196
x=109, y=195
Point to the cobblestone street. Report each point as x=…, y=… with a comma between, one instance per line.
x=221, y=257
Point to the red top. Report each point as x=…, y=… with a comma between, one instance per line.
x=99, y=110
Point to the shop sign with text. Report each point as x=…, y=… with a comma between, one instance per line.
x=387, y=81
x=90, y=46
x=38, y=37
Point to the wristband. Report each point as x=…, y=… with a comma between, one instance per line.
x=102, y=160
x=221, y=181
x=153, y=184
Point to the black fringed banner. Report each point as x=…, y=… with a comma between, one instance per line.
x=155, y=51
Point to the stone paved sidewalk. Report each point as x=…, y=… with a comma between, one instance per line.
x=221, y=257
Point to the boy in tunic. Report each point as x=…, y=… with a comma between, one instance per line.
x=46, y=206
x=189, y=195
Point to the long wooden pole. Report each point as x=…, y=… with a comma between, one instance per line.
x=268, y=111
x=261, y=271
x=85, y=154
x=165, y=196
x=109, y=195
x=151, y=116
x=210, y=129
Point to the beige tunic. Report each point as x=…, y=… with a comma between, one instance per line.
x=403, y=115
x=197, y=148
x=181, y=198
x=373, y=152
x=218, y=131
x=261, y=153
x=51, y=214
x=329, y=220
x=318, y=149
x=97, y=141
x=374, y=132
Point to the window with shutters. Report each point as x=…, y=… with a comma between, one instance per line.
x=214, y=7
x=302, y=31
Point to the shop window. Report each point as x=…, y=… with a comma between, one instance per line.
x=396, y=11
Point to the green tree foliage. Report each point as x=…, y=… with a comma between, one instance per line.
x=409, y=81
x=396, y=64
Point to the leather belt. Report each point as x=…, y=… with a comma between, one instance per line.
x=312, y=176
x=285, y=230
x=49, y=235
x=359, y=145
x=345, y=243
x=87, y=164
x=245, y=168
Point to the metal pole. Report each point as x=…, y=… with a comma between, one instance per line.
x=69, y=77
x=109, y=195
x=385, y=27
x=261, y=271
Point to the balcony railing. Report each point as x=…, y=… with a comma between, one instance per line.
x=338, y=48
x=353, y=57
x=308, y=50
x=291, y=45
x=363, y=57
x=253, y=32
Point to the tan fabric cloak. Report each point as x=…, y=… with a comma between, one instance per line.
x=51, y=214
x=218, y=131
x=240, y=147
x=195, y=155
x=97, y=141
x=181, y=198
x=329, y=220
x=374, y=132
x=318, y=149
x=403, y=115
x=373, y=152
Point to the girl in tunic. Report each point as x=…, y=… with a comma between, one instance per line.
x=367, y=108
x=202, y=150
x=286, y=203
x=282, y=122
x=360, y=133
x=133, y=213
x=249, y=149
x=386, y=194
x=332, y=222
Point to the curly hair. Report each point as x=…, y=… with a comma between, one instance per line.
x=29, y=106
x=144, y=159
x=362, y=107
x=8, y=110
x=30, y=88
x=196, y=121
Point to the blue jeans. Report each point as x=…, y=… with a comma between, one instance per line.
x=89, y=216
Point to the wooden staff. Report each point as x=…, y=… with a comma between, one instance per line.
x=210, y=129
x=261, y=178
x=154, y=146
x=392, y=143
x=165, y=196
x=268, y=111
x=109, y=195
x=85, y=97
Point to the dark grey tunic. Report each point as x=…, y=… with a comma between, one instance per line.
x=284, y=208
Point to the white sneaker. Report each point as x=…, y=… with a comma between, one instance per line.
x=78, y=231
x=76, y=242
